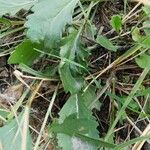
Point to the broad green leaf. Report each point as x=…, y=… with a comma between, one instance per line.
x=13, y=6
x=72, y=106
x=11, y=138
x=116, y=22
x=106, y=43
x=48, y=20
x=143, y=61
x=24, y=53
x=145, y=41
x=73, y=50
x=72, y=125
x=71, y=83
x=89, y=96
x=75, y=127
x=70, y=74
x=68, y=108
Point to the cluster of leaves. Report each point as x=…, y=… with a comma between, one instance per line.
x=75, y=128
x=44, y=35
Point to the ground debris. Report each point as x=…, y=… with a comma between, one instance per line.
x=11, y=94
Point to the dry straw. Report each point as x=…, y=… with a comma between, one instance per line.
x=145, y=2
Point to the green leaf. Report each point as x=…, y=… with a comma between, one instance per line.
x=39, y=74
x=116, y=22
x=72, y=125
x=106, y=43
x=143, y=92
x=142, y=40
x=143, y=61
x=136, y=35
x=5, y=24
x=90, y=30
x=70, y=46
x=145, y=41
x=47, y=24
x=70, y=73
x=88, y=96
x=3, y=115
x=71, y=83
x=98, y=142
x=68, y=108
x=13, y=6
x=121, y=100
x=75, y=105
x=147, y=28
x=11, y=137
x=146, y=9
x=24, y=53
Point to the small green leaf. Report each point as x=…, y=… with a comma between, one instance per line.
x=106, y=43
x=144, y=41
x=24, y=53
x=143, y=61
x=136, y=34
x=116, y=22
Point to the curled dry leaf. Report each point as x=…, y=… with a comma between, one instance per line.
x=12, y=94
